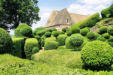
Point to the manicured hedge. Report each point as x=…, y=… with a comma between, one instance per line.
x=61, y=39
x=110, y=30
x=23, y=30
x=6, y=43
x=38, y=30
x=75, y=42
x=47, y=34
x=30, y=44
x=56, y=33
x=90, y=21
x=106, y=13
x=106, y=35
x=18, y=47
x=110, y=41
x=69, y=32
x=97, y=55
x=102, y=30
x=91, y=36
x=101, y=38
x=50, y=45
x=84, y=31
x=75, y=29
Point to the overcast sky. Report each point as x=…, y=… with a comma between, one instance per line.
x=74, y=6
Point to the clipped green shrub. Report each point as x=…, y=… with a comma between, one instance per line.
x=41, y=33
x=101, y=38
x=84, y=31
x=50, y=45
x=91, y=36
x=35, y=50
x=38, y=30
x=110, y=41
x=90, y=21
x=47, y=34
x=102, y=30
x=111, y=10
x=74, y=42
x=69, y=32
x=64, y=29
x=6, y=43
x=106, y=13
x=30, y=44
x=18, y=47
x=106, y=35
x=23, y=30
x=56, y=33
x=51, y=29
x=75, y=29
x=61, y=39
x=110, y=30
x=97, y=55
x=61, y=47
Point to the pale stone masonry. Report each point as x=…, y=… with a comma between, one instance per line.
x=62, y=19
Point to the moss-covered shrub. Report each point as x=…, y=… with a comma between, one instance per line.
x=56, y=33
x=106, y=35
x=97, y=55
x=102, y=30
x=49, y=45
x=30, y=44
x=23, y=30
x=110, y=30
x=90, y=21
x=18, y=47
x=106, y=13
x=6, y=43
x=75, y=29
x=47, y=34
x=74, y=42
x=91, y=36
x=101, y=38
x=84, y=31
x=61, y=39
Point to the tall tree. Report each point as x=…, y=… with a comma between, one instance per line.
x=14, y=12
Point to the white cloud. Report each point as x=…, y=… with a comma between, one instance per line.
x=89, y=6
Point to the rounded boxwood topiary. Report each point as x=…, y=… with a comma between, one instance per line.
x=23, y=30
x=97, y=55
x=64, y=29
x=35, y=50
x=69, y=32
x=110, y=41
x=50, y=45
x=6, y=43
x=47, y=34
x=106, y=35
x=56, y=33
x=102, y=30
x=91, y=36
x=74, y=42
x=84, y=31
x=61, y=39
x=75, y=29
x=110, y=30
x=101, y=38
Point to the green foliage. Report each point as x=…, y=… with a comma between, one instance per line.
x=56, y=33
x=111, y=10
x=6, y=43
x=102, y=30
x=84, y=31
x=101, y=38
x=106, y=35
x=61, y=39
x=91, y=36
x=61, y=47
x=110, y=30
x=41, y=33
x=18, y=44
x=90, y=21
x=14, y=12
x=23, y=30
x=110, y=41
x=64, y=29
x=106, y=13
x=29, y=46
x=35, y=50
x=69, y=31
x=49, y=45
x=97, y=55
x=38, y=30
x=75, y=42
x=51, y=29
x=75, y=29
x=47, y=34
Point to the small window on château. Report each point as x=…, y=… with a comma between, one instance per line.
x=67, y=21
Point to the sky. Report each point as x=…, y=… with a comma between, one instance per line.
x=85, y=7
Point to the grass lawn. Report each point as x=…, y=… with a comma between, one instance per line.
x=51, y=62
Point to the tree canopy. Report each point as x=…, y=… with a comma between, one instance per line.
x=14, y=12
